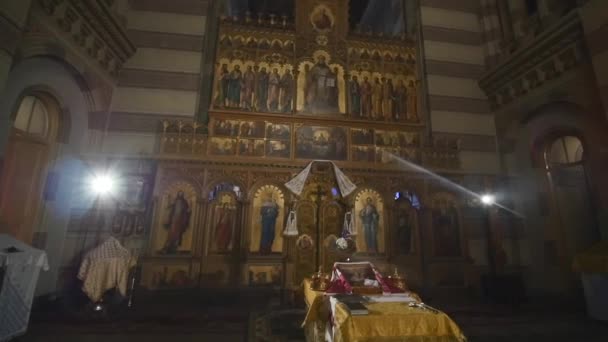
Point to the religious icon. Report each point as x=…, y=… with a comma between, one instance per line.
x=412, y=102
x=247, y=89
x=321, y=88
x=405, y=223
x=362, y=136
x=224, y=227
x=446, y=228
x=252, y=129
x=268, y=214
x=223, y=80
x=370, y=219
x=287, y=91
x=177, y=222
x=234, y=87
x=222, y=146
x=322, y=19
x=278, y=131
x=261, y=92
x=401, y=101
x=315, y=142
x=363, y=154
x=278, y=148
x=387, y=98
x=251, y=147
x=377, y=99
x=354, y=93
x=366, y=98
x=304, y=242
x=274, y=82
x=226, y=127
x=265, y=275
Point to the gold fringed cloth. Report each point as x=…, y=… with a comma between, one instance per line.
x=394, y=322
x=386, y=322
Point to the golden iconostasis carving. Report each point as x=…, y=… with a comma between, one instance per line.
x=227, y=230
x=273, y=139
x=318, y=68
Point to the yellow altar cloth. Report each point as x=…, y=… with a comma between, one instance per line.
x=593, y=260
x=385, y=322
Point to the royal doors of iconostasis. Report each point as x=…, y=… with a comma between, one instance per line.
x=320, y=200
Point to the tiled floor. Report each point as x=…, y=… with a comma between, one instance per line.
x=178, y=319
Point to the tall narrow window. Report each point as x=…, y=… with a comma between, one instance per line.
x=571, y=197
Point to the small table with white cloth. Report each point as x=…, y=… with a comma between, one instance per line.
x=105, y=267
x=21, y=266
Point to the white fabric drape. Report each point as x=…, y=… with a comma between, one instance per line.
x=291, y=228
x=105, y=267
x=296, y=184
x=348, y=228
x=22, y=268
x=344, y=183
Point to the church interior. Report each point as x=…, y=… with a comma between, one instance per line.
x=304, y=170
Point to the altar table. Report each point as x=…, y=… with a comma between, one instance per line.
x=21, y=266
x=386, y=321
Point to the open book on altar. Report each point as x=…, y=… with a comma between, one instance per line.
x=359, y=278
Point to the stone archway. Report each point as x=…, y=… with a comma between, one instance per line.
x=69, y=99
x=534, y=196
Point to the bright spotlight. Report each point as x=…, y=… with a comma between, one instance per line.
x=487, y=199
x=102, y=184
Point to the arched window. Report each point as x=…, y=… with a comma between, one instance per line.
x=32, y=117
x=564, y=151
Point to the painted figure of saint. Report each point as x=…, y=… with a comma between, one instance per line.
x=401, y=101
x=322, y=88
x=366, y=98
x=234, y=87
x=387, y=98
x=322, y=21
x=354, y=95
x=223, y=228
x=287, y=88
x=404, y=228
x=247, y=89
x=268, y=213
x=222, y=86
x=412, y=102
x=446, y=231
x=308, y=91
x=370, y=218
x=377, y=99
x=332, y=90
x=261, y=92
x=177, y=223
x=274, y=81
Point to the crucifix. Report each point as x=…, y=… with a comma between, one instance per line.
x=318, y=200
